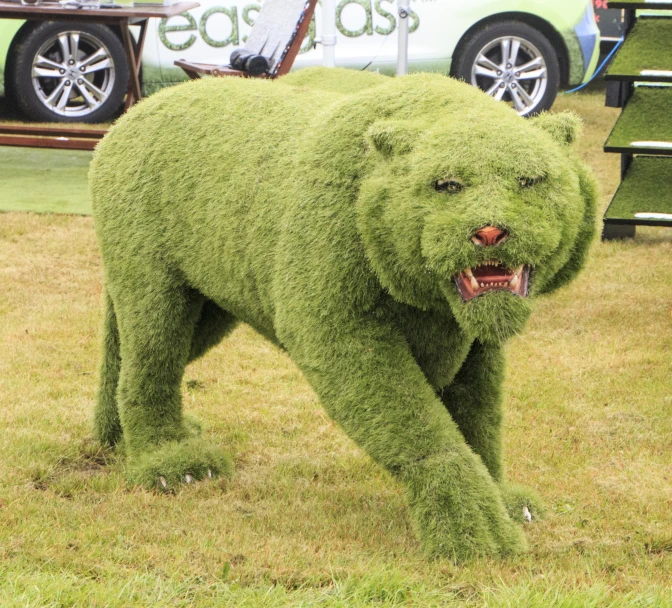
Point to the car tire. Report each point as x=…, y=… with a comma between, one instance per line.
x=489, y=57
x=66, y=72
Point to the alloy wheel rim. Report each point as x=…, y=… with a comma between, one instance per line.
x=513, y=70
x=73, y=73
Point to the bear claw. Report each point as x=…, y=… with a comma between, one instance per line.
x=523, y=505
x=177, y=463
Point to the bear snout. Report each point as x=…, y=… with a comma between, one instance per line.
x=489, y=236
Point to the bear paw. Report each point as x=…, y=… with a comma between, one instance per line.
x=177, y=462
x=522, y=504
x=458, y=511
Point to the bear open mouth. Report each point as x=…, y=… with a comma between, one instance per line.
x=492, y=276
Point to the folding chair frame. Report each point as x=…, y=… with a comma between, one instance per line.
x=196, y=70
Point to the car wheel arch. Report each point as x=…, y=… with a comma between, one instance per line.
x=10, y=59
x=543, y=26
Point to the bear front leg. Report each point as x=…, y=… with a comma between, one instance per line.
x=474, y=400
x=370, y=384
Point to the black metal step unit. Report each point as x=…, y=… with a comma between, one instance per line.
x=644, y=197
x=638, y=82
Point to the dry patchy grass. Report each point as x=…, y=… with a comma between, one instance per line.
x=307, y=519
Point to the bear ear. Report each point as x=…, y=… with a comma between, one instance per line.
x=565, y=127
x=392, y=137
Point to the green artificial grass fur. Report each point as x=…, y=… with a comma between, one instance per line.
x=645, y=48
x=646, y=117
x=646, y=188
x=173, y=460
x=307, y=207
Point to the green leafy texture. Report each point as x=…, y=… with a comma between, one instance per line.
x=645, y=189
x=232, y=38
x=367, y=28
x=645, y=48
x=306, y=207
x=646, y=117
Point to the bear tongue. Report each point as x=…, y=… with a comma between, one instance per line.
x=492, y=273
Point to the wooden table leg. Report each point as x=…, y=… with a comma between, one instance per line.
x=134, y=56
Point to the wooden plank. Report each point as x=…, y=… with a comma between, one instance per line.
x=288, y=60
x=59, y=143
x=56, y=12
x=134, y=92
x=193, y=68
x=52, y=131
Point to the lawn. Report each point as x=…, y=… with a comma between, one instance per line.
x=307, y=519
x=44, y=180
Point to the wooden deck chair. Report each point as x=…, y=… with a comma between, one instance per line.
x=61, y=138
x=271, y=47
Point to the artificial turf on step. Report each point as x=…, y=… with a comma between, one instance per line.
x=646, y=117
x=646, y=188
x=44, y=181
x=645, y=48
x=641, y=4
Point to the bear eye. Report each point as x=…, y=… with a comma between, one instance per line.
x=450, y=186
x=528, y=182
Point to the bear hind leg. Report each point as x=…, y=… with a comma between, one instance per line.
x=157, y=320
x=107, y=425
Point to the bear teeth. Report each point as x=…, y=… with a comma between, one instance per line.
x=472, y=279
x=472, y=283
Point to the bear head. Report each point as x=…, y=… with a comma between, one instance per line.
x=475, y=209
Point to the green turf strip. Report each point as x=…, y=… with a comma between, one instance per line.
x=645, y=189
x=646, y=118
x=642, y=4
x=647, y=47
x=44, y=181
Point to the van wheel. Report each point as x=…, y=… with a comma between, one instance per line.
x=512, y=62
x=66, y=72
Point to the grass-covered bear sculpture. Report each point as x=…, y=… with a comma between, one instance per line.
x=388, y=234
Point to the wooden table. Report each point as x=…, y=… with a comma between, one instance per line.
x=122, y=18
